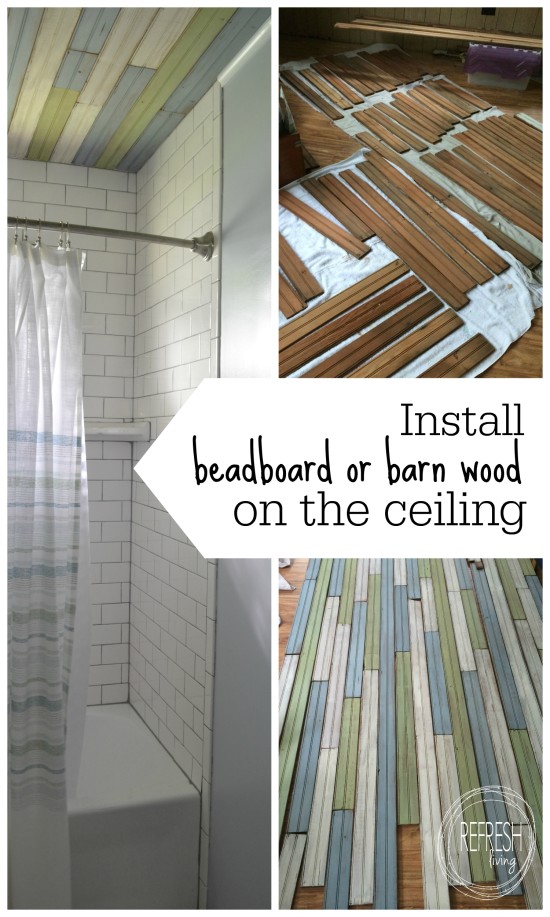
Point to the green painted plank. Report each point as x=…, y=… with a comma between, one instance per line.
x=56, y=111
x=196, y=38
x=423, y=566
x=372, y=644
x=468, y=776
x=290, y=738
x=473, y=620
x=529, y=775
x=526, y=566
x=348, y=592
x=510, y=590
x=346, y=768
x=407, y=782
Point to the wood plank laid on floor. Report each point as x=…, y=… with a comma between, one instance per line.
x=530, y=777
x=354, y=675
x=321, y=814
x=480, y=104
x=289, y=302
x=535, y=590
x=290, y=737
x=425, y=117
x=306, y=769
x=526, y=566
x=517, y=573
x=296, y=271
x=289, y=868
x=425, y=132
x=372, y=639
x=473, y=621
x=361, y=348
x=321, y=670
x=428, y=603
x=401, y=618
x=385, y=860
x=413, y=581
x=348, y=591
x=486, y=149
x=337, y=680
x=376, y=125
x=346, y=768
x=449, y=791
x=341, y=302
x=288, y=76
x=441, y=716
x=411, y=346
x=461, y=360
x=341, y=67
x=532, y=615
x=436, y=892
x=515, y=186
x=433, y=107
x=398, y=121
x=322, y=225
x=354, y=97
x=463, y=573
x=532, y=658
x=339, y=861
x=407, y=782
x=286, y=682
x=451, y=575
x=445, y=104
x=505, y=861
x=362, y=866
x=532, y=880
x=462, y=634
x=361, y=580
x=400, y=571
x=466, y=763
x=301, y=616
x=313, y=567
x=424, y=566
x=325, y=88
x=340, y=210
x=510, y=591
x=336, y=577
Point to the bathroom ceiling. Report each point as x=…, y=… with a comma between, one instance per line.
x=104, y=87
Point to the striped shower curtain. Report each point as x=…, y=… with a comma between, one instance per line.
x=47, y=516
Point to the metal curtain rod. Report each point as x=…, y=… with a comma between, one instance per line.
x=204, y=245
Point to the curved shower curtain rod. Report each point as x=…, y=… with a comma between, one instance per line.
x=203, y=245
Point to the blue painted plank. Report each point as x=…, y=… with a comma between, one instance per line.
x=92, y=28
x=336, y=576
x=23, y=25
x=504, y=861
x=313, y=567
x=74, y=70
x=354, y=675
x=463, y=573
x=306, y=770
x=503, y=671
x=156, y=132
x=402, y=642
x=438, y=692
x=337, y=880
x=536, y=591
x=301, y=615
x=413, y=580
x=128, y=89
x=385, y=864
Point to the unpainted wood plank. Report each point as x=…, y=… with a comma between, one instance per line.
x=290, y=303
x=346, y=90
x=486, y=149
x=372, y=640
x=339, y=861
x=306, y=768
x=321, y=670
x=324, y=226
x=321, y=814
x=286, y=682
x=354, y=675
x=337, y=680
x=414, y=109
x=362, y=867
x=532, y=658
x=325, y=88
x=396, y=119
x=374, y=123
x=340, y=210
x=501, y=178
x=407, y=781
x=462, y=634
x=288, y=76
x=402, y=643
x=454, y=33
x=449, y=791
x=296, y=271
x=289, y=868
x=461, y=360
x=462, y=93
x=441, y=716
x=530, y=777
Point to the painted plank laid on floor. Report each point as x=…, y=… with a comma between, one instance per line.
x=339, y=861
x=321, y=671
x=407, y=782
x=333, y=716
x=428, y=603
x=473, y=620
x=289, y=868
x=505, y=863
x=401, y=619
x=299, y=623
x=441, y=716
x=462, y=635
x=385, y=862
x=531, y=656
x=532, y=880
x=313, y=567
x=290, y=737
x=535, y=589
x=436, y=890
x=400, y=571
x=321, y=814
x=346, y=768
x=348, y=591
x=532, y=615
x=468, y=776
x=306, y=769
x=516, y=573
x=286, y=682
x=424, y=566
x=362, y=867
x=463, y=573
x=526, y=566
x=530, y=777
x=449, y=791
x=510, y=591
x=354, y=675
x=361, y=580
x=413, y=582
x=372, y=643
x=451, y=575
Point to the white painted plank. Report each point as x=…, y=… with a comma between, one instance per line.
x=436, y=890
x=449, y=790
x=532, y=614
x=462, y=634
x=526, y=692
x=450, y=575
x=321, y=814
x=325, y=646
x=532, y=658
x=532, y=880
x=375, y=565
x=76, y=129
x=361, y=580
x=362, y=862
x=428, y=603
x=337, y=681
x=286, y=683
x=399, y=572
x=130, y=26
x=164, y=31
x=289, y=868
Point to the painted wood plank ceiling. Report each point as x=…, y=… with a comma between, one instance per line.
x=104, y=87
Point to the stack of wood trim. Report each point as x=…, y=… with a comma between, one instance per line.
x=454, y=33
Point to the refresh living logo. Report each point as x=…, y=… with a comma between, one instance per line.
x=505, y=838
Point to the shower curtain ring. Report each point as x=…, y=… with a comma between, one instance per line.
x=38, y=238
x=68, y=238
x=60, y=243
x=15, y=235
x=25, y=234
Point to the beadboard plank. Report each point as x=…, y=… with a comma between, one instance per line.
x=400, y=571
x=286, y=683
x=526, y=566
x=156, y=132
x=348, y=591
x=451, y=575
x=532, y=880
x=510, y=590
x=23, y=25
x=299, y=623
x=413, y=580
x=337, y=680
x=313, y=567
x=517, y=573
x=323, y=225
x=372, y=643
x=428, y=603
x=93, y=28
x=306, y=769
x=436, y=891
x=462, y=635
x=321, y=814
x=75, y=70
x=129, y=28
x=441, y=716
x=354, y=675
x=53, y=118
x=289, y=868
x=321, y=670
x=531, y=613
x=79, y=123
x=402, y=643
x=449, y=791
x=339, y=861
x=473, y=621
x=167, y=26
x=361, y=580
x=531, y=656
x=463, y=573
x=424, y=567
x=336, y=577
x=299, y=275
x=536, y=591
x=530, y=777
x=362, y=867
x=407, y=781
x=346, y=768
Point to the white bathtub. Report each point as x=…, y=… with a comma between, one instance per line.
x=135, y=822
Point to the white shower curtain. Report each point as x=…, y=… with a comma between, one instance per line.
x=48, y=558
